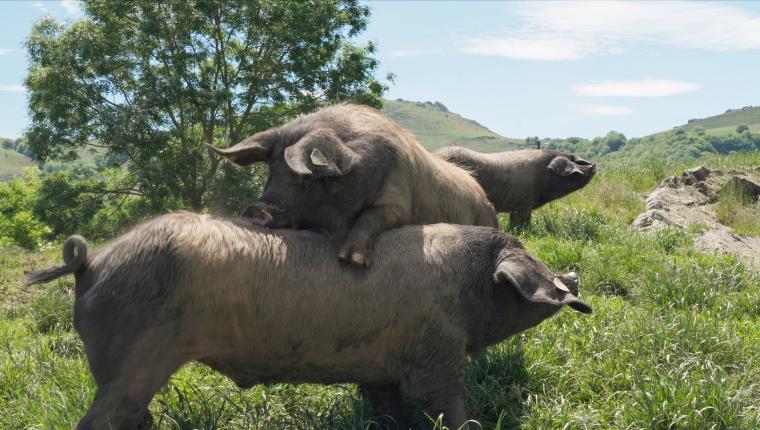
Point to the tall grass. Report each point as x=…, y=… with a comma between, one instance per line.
x=739, y=210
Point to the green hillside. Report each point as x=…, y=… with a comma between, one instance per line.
x=11, y=162
x=719, y=134
x=728, y=121
x=435, y=126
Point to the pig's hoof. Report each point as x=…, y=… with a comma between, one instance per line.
x=350, y=256
x=360, y=259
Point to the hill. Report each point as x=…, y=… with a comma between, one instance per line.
x=11, y=161
x=719, y=134
x=728, y=121
x=435, y=126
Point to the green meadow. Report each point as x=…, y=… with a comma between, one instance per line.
x=673, y=343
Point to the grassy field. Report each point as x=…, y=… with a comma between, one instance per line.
x=727, y=122
x=674, y=342
x=435, y=128
x=11, y=163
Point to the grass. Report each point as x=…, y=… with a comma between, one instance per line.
x=435, y=128
x=729, y=120
x=11, y=163
x=739, y=210
x=674, y=342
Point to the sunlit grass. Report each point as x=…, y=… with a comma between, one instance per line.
x=738, y=210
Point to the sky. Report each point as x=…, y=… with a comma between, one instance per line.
x=547, y=69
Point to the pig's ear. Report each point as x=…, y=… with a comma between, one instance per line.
x=532, y=285
x=320, y=154
x=251, y=150
x=562, y=166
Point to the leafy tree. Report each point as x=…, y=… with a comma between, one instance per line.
x=155, y=81
x=614, y=140
x=741, y=128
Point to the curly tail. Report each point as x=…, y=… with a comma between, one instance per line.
x=74, y=255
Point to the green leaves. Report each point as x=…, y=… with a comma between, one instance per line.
x=154, y=81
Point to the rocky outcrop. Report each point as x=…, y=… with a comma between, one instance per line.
x=689, y=201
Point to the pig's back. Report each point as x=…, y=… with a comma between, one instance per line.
x=279, y=300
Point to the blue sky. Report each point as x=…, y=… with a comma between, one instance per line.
x=550, y=69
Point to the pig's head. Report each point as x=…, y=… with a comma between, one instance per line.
x=566, y=173
x=540, y=293
x=314, y=179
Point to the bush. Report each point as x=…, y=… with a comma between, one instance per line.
x=18, y=224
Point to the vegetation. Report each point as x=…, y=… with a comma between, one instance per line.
x=739, y=210
x=728, y=121
x=674, y=146
x=435, y=126
x=18, y=223
x=672, y=342
x=153, y=82
x=11, y=163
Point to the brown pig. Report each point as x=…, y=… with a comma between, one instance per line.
x=268, y=306
x=517, y=182
x=351, y=171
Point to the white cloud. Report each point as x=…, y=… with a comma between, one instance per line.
x=71, y=7
x=4, y=51
x=572, y=30
x=12, y=88
x=41, y=7
x=640, y=88
x=523, y=49
x=606, y=110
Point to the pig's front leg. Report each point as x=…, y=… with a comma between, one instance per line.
x=519, y=218
x=357, y=246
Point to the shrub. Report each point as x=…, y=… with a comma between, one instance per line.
x=18, y=224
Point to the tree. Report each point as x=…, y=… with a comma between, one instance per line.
x=741, y=128
x=154, y=81
x=614, y=140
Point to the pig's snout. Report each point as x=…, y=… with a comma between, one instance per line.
x=267, y=215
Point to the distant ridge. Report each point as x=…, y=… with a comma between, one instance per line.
x=435, y=126
x=728, y=121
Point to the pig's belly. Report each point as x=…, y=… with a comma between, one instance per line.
x=302, y=354
x=247, y=374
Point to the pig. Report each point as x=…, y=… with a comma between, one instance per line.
x=273, y=306
x=517, y=182
x=351, y=171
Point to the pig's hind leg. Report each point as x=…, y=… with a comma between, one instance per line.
x=121, y=400
x=358, y=245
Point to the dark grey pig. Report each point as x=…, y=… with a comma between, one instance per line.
x=268, y=306
x=517, y=182
x=353, y=172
